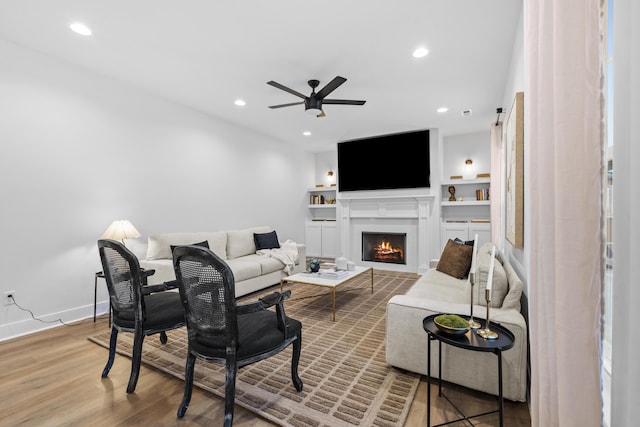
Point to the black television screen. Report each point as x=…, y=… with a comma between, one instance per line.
x=384, y=162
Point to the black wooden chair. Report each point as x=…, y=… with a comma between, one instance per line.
x=143, y=310
x=223, y=332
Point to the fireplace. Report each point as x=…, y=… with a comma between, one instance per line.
x=384, y=247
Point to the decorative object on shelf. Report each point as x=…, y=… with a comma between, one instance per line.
x=482, y=194
x=472, y=280
x=330, y=201
x=483, y=175
x=487, y=333
x=455, y=177
x=452, y=191
x=314, y=265
x=319, y=185
x=120, y=230
x=514, y=208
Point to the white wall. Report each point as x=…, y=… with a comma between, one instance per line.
x=625, y=374
x=79, y=151
x=516, y=83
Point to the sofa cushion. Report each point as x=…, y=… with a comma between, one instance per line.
x=241, y=243
x=267, y=264
x=455, y=259
x=266, y=240
x=159, y=245
x=243, y=269
x=204, y=244
x=437, y=286
x=500, y=286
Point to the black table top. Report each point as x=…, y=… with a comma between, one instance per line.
x=471, y=340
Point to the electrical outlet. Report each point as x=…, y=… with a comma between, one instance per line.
x=8, y=297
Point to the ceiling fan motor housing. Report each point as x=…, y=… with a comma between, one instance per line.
x=313, y=105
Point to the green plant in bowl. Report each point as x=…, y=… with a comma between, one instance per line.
x=451, y=324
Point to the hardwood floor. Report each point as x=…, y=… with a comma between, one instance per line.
x=52, y=378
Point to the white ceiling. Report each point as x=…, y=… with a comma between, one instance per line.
x=205, y=54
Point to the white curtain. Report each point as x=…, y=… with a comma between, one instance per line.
x=495, y=188
x=563, y=114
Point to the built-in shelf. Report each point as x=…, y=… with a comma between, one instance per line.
x=465, y=181
x=466, y=203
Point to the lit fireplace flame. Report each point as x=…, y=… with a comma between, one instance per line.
x=385, y=248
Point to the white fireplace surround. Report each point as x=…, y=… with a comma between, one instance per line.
x=393, y=214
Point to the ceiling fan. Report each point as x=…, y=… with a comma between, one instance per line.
x=313, y=103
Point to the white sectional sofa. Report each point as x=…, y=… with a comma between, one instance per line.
x=436, y=292
x=251, y=271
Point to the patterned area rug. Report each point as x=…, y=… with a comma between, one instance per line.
x=347, y=381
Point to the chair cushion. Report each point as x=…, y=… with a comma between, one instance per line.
x=258, y=333
x=455, y=259
x=163, y=311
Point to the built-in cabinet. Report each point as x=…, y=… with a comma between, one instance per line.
x=465, y=199
x=321, y=231
x=321, y=239
x=465, y=231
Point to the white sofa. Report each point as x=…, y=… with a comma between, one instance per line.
x=252, y=272
x=436, y=292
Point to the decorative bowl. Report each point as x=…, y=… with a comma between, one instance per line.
x=451, y=324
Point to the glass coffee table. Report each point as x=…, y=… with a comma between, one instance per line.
x=317, y=280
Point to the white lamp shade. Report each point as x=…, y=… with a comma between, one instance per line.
x=120, y=230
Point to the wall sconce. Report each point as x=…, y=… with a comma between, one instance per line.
x=468, y=169
x=331, y=179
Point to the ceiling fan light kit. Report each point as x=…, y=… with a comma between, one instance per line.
x=313, y=103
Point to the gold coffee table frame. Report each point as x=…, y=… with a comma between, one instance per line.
x=316, y=280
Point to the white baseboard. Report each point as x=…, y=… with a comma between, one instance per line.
x=29, y=325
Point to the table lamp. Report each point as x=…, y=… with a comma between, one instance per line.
x=120, y=230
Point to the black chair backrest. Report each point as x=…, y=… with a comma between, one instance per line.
x=122, y=274
x=207, y=291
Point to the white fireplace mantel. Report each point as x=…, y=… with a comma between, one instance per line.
x=405, y=213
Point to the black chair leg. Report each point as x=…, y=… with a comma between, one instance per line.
x=112, y=352
x=188, y=385
x=295, y=358
x=136, y=358
x=163, y=337
x=230, y=391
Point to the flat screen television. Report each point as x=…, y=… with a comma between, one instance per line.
x=384, y=162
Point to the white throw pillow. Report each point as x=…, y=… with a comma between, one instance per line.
x=500, y=286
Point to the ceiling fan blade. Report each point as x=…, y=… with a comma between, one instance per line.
x=286, y=105
x=343, y=101
x=286, y=89
x=330, y=87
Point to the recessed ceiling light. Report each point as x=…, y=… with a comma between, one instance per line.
x=420, y=52
x=442, y=110
x=306, y=133
x=240, y=102
x=80, y=28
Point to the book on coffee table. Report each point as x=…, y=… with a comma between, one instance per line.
x=332, y=273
